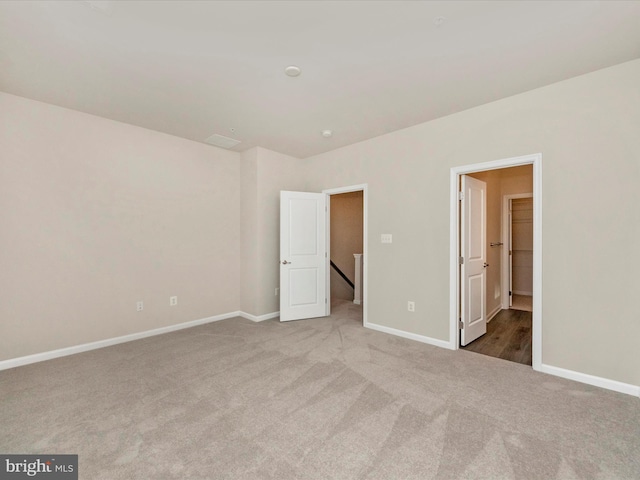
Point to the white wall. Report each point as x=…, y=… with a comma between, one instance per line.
x=276, y=172
x=587, y=130
x=264, y=175
x=248, y=258
x=96, y=215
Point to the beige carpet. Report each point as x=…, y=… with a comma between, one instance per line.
x=316, y=399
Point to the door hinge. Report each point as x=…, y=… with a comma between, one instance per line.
x=325, y=300
x=460, y=195
x=460, y=324
x=461, y=260
x=509, y=292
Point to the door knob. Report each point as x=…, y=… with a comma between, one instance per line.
x=284, y=262
x=485, y=265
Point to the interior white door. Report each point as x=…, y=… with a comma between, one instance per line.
x=302, y=255
x=473, y=279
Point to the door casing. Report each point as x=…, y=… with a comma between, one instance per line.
x=454, y=249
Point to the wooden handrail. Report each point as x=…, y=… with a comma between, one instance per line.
x=341, y=273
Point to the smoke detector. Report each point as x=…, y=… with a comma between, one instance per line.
x=292, y=71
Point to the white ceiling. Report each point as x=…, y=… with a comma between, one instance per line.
x=193, y=69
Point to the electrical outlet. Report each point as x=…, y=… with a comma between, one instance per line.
x=411, y=306
x=140, y=306
x=277, y=291
x=386, y=238
x=173, y=301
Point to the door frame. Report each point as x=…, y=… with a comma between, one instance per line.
x=507, y=273
x=365, y=256
x=454, y=247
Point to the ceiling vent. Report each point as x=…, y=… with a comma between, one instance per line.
x=222, y=141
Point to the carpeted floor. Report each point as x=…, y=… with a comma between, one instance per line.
x=316, y=399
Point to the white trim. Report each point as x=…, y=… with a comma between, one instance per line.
x=259, y=318
x=454, y=271
x=63, y=352
x=364, y=188
x=494, y=312
x=536, y=329
x=411, y=336
x=505, y=273
x=85, y=347
x=592, y=380
x=349, y=189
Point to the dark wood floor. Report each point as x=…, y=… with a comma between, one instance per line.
x=508, y=337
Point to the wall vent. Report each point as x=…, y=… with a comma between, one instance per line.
x=222, y=141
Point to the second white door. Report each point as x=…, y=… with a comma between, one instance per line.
x=302, y=256
x=473, y=248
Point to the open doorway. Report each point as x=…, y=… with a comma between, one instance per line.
x=517, y=276
x=305, y=254
x=346, y=252
x=508, y=238
x=503, y=209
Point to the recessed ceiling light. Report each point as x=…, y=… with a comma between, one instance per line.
x=292, y=71
x=327, y=133
x=438, y=21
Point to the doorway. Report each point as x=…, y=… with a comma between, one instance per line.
x=305, y=254
x=497, y=327
x=517, y=258
x=345, y=247
x=346, y=240
x=492, y=305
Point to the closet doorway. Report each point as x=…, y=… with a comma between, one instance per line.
x=509, y=290
x=517, y=255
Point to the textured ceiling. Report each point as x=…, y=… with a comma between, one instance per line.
x=193, y=69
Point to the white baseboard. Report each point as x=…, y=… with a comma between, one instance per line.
x=520, y=292
x=493, y=313
x=357, y=302
x=410, y=336
x=259, y=318
x=63, y=352
x=592, y=380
